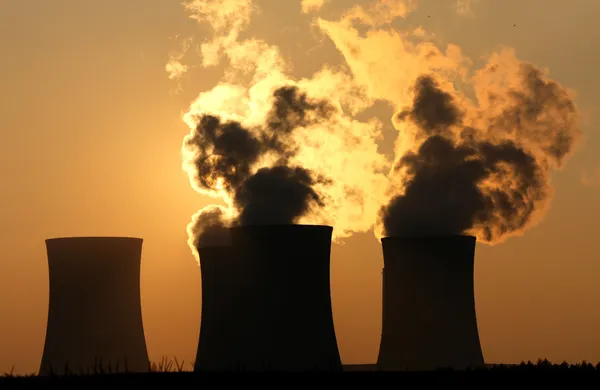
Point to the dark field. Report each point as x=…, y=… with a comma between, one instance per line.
x=524, y=373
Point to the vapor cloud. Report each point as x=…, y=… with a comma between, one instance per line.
x=379, y=13
x=276, y=195
x=475, y=148
x=480, y=166
x=224, y=16
x=175, y=67
x=482, y=170
x=209, y=227
x=253, y=167
x=398, y=7
x=312, y=5
x=384, y=61
x=260, y=129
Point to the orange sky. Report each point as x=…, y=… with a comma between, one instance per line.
x=91, y=132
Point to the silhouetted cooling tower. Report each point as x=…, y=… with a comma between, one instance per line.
x=217, y=343
x=429, y=319
x=94, y=315
x=283, y=298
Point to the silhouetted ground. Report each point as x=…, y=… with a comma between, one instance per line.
x=525, y=373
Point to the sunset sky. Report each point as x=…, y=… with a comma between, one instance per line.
x=91, y=133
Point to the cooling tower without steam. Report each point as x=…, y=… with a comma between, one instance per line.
x=428, y=318
x=217, y=343
x=94, y=314
x=282, y=295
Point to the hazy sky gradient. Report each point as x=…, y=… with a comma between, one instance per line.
x=90, y=139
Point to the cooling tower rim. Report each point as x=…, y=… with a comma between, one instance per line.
x=93, y=238
x=428, y=237
x=281, y=226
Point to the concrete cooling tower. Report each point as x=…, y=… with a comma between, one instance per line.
x=217, y=343
x=428, y=318
x=280, y=291
x=94, y=314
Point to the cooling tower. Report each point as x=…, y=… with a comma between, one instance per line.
x=217, y=344
x=94, y=313
x=283, y=304
x=428, y=316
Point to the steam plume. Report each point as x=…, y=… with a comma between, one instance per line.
x=311, y=5
x=209, y=227
x=253, y=167
x=473, y=160
x=260, y=130
x=480, y=166
x=490, y=181
x=277, y=195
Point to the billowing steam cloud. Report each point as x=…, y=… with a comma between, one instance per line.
x=277, y=195
x=209, y=228
x=311, y=5
x=228, y=157
x=276, y=149
x=478, y=166
x=271, y=146
x=491, y=181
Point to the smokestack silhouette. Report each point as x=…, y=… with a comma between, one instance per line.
x=94, y=313
x=429, y=319
x=217, y=344
x=272, y=299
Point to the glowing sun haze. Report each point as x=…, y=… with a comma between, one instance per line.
x=277, y=149
x=369, y=118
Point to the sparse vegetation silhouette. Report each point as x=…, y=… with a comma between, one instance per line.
x=172, y=371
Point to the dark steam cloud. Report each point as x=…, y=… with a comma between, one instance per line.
x=488, y=182
x=210, y=228
x=293, y=109
x=542, y=113
x=226, y=151
x=277, y=195
x=228, y=155
x=433, y=110
x=445, y=194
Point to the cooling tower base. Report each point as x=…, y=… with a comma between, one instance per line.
x=94, y=314
x=219, y=321
x=429, y=319
x=275, y=291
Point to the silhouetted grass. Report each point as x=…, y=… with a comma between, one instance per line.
x=167, y=366
x=171, y=372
